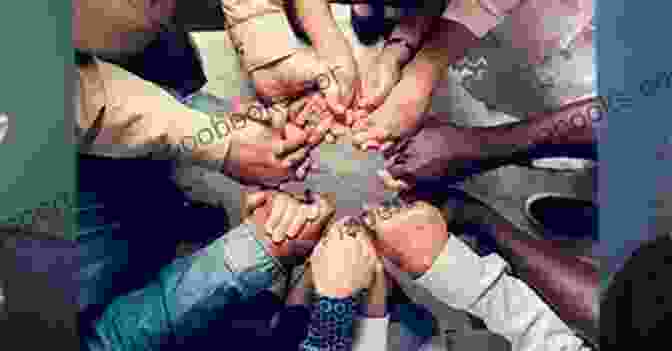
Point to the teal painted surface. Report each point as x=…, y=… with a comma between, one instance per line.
x=37, y=155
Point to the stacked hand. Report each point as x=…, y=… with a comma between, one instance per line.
x=439, y=149
x=346, y=259
x=410, y=235
x=292, y=226
x=261, y=155
x=344, y=262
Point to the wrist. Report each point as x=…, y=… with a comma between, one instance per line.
x=397, y=52
x=333, y=293
x=504, y=142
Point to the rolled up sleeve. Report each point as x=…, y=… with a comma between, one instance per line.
x=482, y=287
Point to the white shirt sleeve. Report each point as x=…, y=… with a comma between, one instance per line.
x=480, y=285
x=371, y=334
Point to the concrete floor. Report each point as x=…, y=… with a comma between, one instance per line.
x=504, y=189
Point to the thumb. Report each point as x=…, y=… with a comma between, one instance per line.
x=255, y=200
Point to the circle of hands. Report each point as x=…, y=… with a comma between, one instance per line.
x=308, y=99
x=347, y=255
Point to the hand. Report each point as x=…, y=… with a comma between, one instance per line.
x=344, y=262
x=301, y=73
x=346, y=82
x=404, y=109
x=439, y=149
x=293, y=227
x=261, y=155
x=410, y=235
x=378, y=81
x=311, y=114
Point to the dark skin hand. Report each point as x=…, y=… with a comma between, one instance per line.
x=441, y=149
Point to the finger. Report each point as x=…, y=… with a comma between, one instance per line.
x=330, y=138
x=319, y=102
x=322, y=206
x=378, y=98
x=397, y=148
x=332, y=97
x=296, y=111
x=300, y=247
x=374, y=135
x=295, y=139
x=360, y=114
x=303, y=170
x=335, y=230
x=299, y=221
x=321, y=129
x=294, y=159
x=338, y=129
x=363, y=124
x=293, y=132
x=279, y=116
x=280, y=202
x=349, y=118
x=371, y=145
x=281, y=230
x=314, y=211
x=317, y=252
x=368, y=247
x=255, y=200
x=305, y=115
x=386, y=146
x=392, y=183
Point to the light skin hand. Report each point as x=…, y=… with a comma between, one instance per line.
x=411, y=235
x=292, y=226
x=342, y=264
x=260, y=155
x=333, y=48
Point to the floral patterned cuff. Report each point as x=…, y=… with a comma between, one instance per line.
x=331, y=326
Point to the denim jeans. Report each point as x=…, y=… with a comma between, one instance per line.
x=134, y=293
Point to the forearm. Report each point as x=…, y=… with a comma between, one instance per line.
x=122, y=115
x=570, y=285
x=507, y=306
x=411, y=30
x=569, y=131
x=445, y=44
x=318, y=22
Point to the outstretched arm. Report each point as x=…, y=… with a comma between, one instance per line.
x=442, y=149
x=413, y=237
